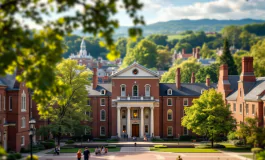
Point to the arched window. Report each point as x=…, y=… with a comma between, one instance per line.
x=23, y=101
x=169, y=115
x=147, y=90
x=169, y=92
x=23, y=122
x=135, y=90
x=102, y=115
x=123, y=90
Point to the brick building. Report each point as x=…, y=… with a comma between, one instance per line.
x=183, y=55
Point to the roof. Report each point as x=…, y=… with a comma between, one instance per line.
x=233, y=80
x=206, y=61
x=8, y=80
x=161, y=72
x=255, y=89
x=96, y=91
x=187, y=89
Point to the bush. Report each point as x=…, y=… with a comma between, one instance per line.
x=48, y=145
x=70, y=142
x=218, y=146
x=232, y=136
x=34, y=157
x=203, y=146
x=261, y=155
x=17, y=155
x=111, y=146
x=11, y=157
x=256, y=150
x=185, y=138
x=160, y=146
x=50, y=140
x=23, y=150
x=157, y=140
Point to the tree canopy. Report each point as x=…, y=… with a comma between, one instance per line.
x=211, y=71
x=258, y=53
x=158, y=39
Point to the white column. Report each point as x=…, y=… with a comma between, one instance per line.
x=119, y=121
x=152, y=122
x=129, y=122
x=142, y=123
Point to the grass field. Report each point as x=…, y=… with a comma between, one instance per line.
x=74, y=150
x=176, y=36
x=232, y=148
x=184, y=150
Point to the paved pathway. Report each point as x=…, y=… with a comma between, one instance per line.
x=135, y=149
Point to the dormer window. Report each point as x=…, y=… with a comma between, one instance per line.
x=103, y=92
x=169, y=92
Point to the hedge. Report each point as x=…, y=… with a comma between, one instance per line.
x=160, y=146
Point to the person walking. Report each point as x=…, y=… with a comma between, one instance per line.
x=86, y=154
x=79, y=154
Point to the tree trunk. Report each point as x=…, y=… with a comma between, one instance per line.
x=58, y=139
x=212, y=140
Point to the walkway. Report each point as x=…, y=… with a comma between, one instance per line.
x=135, y=149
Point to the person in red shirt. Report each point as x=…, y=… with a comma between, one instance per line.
x=79, y=154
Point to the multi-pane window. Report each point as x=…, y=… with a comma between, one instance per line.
x=135, y=90
x=123, y=114
x=23, y=122
x=123, y=90
x=102, y=101
x=23, y=101
x=169, y=101
x=102, y=115
x=169, y=115
x=247, y=109
x=102, y=131
x=234, y=107
x=22, y=141
x=146, y=128
x=147, y=90
x=185, y=102
x=169, y=92
x=253, y=109
x=169, y=131
x=240, y=109
x=185, y=131
x=10, y=103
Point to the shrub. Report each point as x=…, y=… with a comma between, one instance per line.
x=160, y=146
x=34, y=157
x=261, y=155
x=50, y=140
x=256, y=150
x=232, y=136
x=11, y=157
x=204, y=146
x=157, y=139
x=48, y=145
x=111, y=146
x=185, y=138
x=17, y=155
x=70, y=142
x=23, y=150
x=218, y=146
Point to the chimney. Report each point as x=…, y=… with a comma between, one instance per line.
x=177, y=78
x=223, y=82
x=193, y=52
x=183, y=51
x=95, y=78
x=208, y=81
x=197, y=54
x=192, y=78
x=247, y=74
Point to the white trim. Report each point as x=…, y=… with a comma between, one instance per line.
x=23, y=122
x=104, y=131
x=247, y=109
x=22, y=140
x=185, y=99
x=123, y=93
x=171, y=131
x=101, y=115
x=234, y=107
x=169, y=92
x=104, y=92
x=168, y=101
x=101, y=102
x=137, y=90
x=10, y=109
x=146, y=93
x=253, y=109
x=23, y=102
x=171, y=115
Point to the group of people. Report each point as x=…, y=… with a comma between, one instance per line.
x=101, y=150
x=57, y=150
x=86, y=154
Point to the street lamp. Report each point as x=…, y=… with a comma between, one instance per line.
x=32, y=122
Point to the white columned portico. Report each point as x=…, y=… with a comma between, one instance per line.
x=142, y=123
x=119, y=121
x=129, y=122
x=152, y=121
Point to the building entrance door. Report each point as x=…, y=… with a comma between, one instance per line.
x=135, y=130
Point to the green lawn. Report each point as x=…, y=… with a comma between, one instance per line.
x=74, y=150
x=232, y=148
x=184, y=150
x=176, y=36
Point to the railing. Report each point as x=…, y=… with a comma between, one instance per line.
x=135, y=98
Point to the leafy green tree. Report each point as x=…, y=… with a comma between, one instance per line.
x=121, y=46
x=37, y=52
x=211, y=71
x=226, y=58
x=258, y=53
x=251, y=132
x=158, y=39
x=163, y=59
x=67, y=109
x=209, y=115
x=206, y=52
x=179, y=46
x=261, y=155
x=186, y=67
x=231, y=33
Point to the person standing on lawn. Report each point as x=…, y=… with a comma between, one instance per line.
x=79, y=154
x=86, y=154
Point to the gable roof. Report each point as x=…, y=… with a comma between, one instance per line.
x=96, y=91
x=135, y=64
x=9, y=80
x=256, y=89
x=187, y=89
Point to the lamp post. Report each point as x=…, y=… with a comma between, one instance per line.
x=32, y=122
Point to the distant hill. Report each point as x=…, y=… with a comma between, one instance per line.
x=177, y=26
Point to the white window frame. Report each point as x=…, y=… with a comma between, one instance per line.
x=184, y=131
x=101, y=115
x=123, y=93
x=23, y=122
x=253, y=108
x=101, y=102
x=171, y=131
x=147, y=93
x=247, y=109
x=22, y=140
x=234, y=107
x=137, y=91
x=169, y=92
x=185, y=100
x=170, y=110
x=23, y=102
x=10, y=109
x=101, y=130
x=103, y=92
x=168, y=101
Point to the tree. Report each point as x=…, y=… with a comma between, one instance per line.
x=121, y=46
x=209, y=115
x=226, y=58
x=258, y=53
x=231, y=33
x=187, y=67
x=251, y=132
x=66, y=110
x=163, y=59
x=211, y=71
x=179, y=46
x=37, y=52
x=158, y=39
x=206, y=52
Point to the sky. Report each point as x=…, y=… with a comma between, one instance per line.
x=165, y=10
